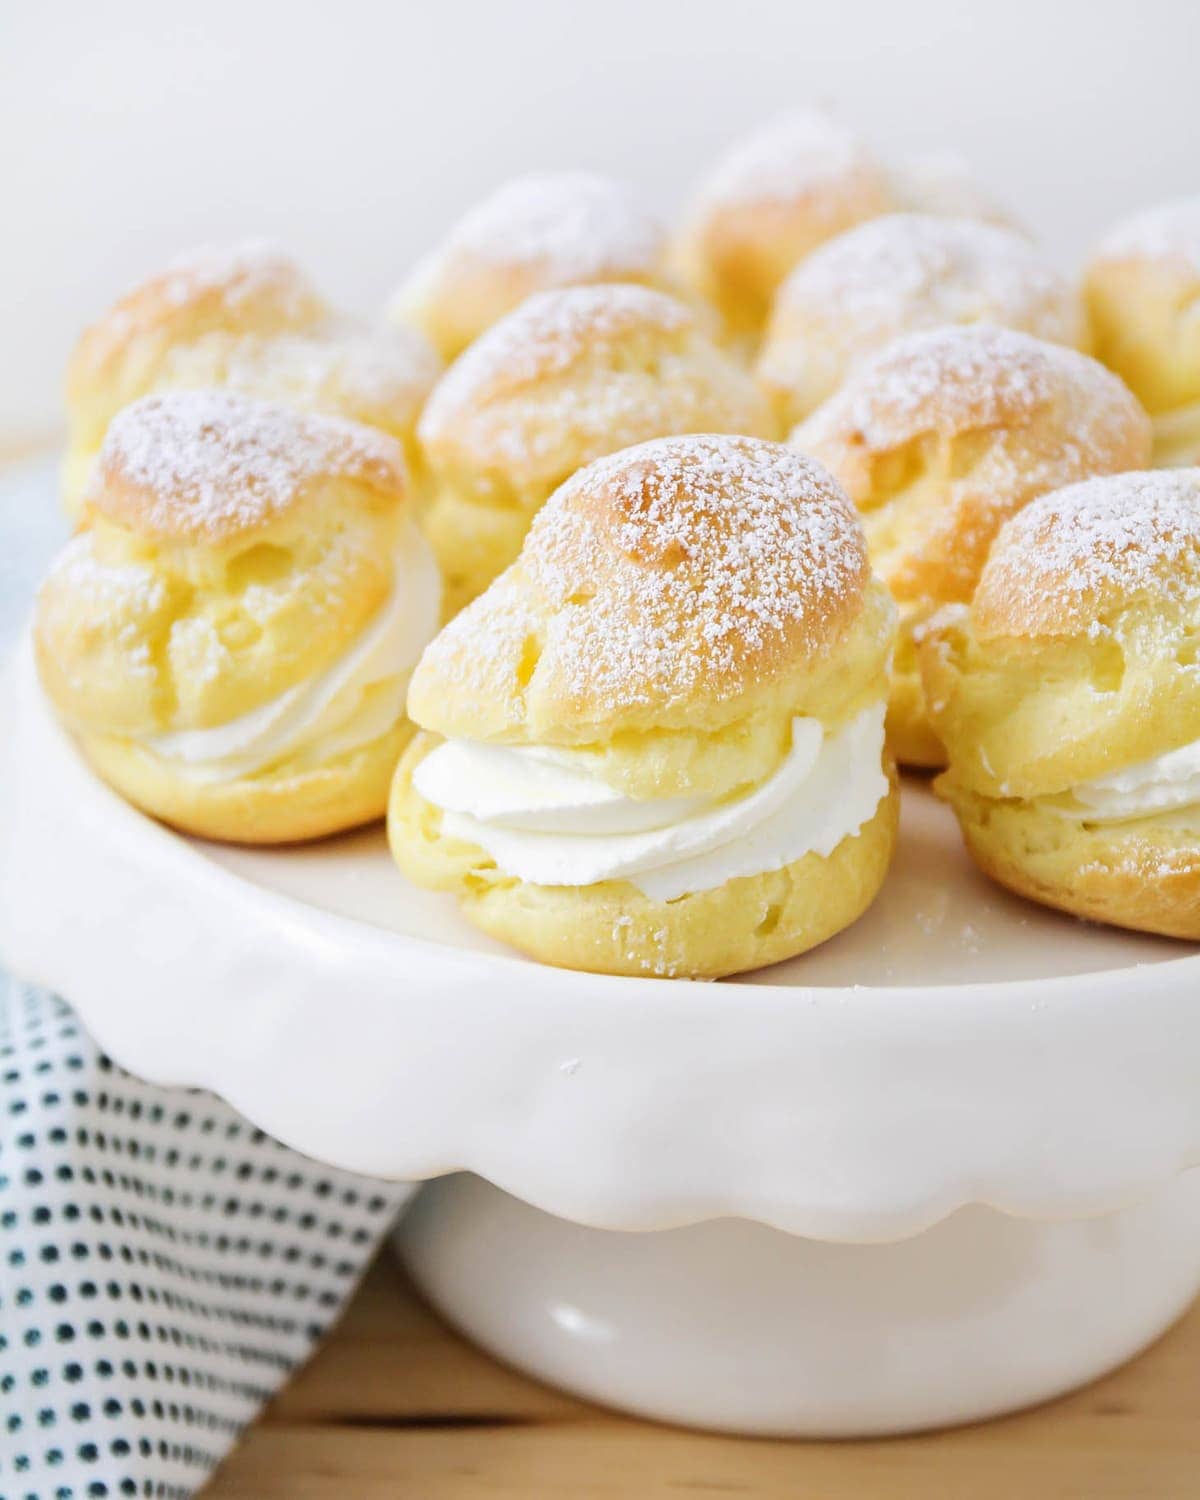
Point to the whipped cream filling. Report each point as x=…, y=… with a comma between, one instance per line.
x=351, y=703
x=1165, y=785
x=546, y=819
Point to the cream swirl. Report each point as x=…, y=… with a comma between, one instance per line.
x=1165, y=785
x=545, y=819
x=351, y=703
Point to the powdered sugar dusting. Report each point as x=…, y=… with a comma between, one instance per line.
x=904, y=271
x=1169, y=232
x=541, y=339
x=570, y=226
x=941, y=182
x=1006, y=373
x=788, y=158
x=682, y=566
x=364, y=370
x=106, y=586
x=976, y=377
x=211, y=463
x=242, y=272
x=1122, y=534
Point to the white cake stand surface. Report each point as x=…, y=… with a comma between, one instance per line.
x=933, y=1171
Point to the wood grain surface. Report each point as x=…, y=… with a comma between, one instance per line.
x=397, y=1407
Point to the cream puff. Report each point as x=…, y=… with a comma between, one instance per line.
x=534, y=234
x=938, y=440
x=767, y=202
x=1143, y=295
x=899, y=274
x=655, y=745
x=941, y=182
x=230, y=633
x=1068, y=698
x=568, y=377
x=246, y=319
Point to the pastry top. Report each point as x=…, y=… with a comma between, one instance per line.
x=1143, y=293
x=249, y=288
x=377, y=376
x=1079, y=561
x=1078, y=655
x=229, y=550
x=572, y=375
x=941, y=182
x=212, y=468
x=537, y=232
x=678, y=584
x=945, y=434
x=770, y=200
x=898, y=274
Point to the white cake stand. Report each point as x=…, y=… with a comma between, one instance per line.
x=930, y=1172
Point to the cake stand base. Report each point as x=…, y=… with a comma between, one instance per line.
x=734, y=1326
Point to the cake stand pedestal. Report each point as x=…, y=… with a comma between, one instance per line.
x=936, y=1169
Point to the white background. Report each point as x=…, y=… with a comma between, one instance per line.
x=353, y=132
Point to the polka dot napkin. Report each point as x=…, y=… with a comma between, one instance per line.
x=163, y=1266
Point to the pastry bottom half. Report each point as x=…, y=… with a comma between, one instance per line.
x=1141, y=874
x=280, y=806
x=613, y=928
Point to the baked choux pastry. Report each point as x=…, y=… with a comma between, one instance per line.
x=1068, y=699
x=768, y=202
x=230, y=633
x=569, y=376
x=535, y=234
x=938, y=440
x=244, y=319
x=655, y=745
x=941, y=182
x=898, y=274
x=1143, y=296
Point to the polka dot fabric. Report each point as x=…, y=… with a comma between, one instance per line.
x=163, y=1267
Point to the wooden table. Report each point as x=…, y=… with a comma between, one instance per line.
x=396, y=1407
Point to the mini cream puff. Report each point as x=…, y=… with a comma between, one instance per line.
x=1143, y=295
x=1068, y=699
x=568, y=377
x=768, y=201
x=938, y=440
x=655, y=745
x=536, y=233
x=899, y=274
x=244, y=319
x=230, y=633
x=942, y=183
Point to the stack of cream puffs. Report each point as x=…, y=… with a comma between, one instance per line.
x=620, y=564
x=243, y=318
